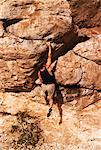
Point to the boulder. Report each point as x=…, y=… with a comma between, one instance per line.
x=17, y=60
x=90, y=50
x=11, y=9
x=89, y=32
x=85, y=13
x=36, y=19
x=87, y=17
x=68, y=70
x=81, y=66
x=25, y=28
x=21, y=115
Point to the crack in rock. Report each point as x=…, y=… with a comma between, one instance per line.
x=8, y=22
x=98, y=63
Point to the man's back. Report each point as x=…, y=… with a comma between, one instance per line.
x=46, y=77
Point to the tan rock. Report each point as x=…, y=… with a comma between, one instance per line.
x=68, y=70
x=11, y=9
x=44, y=26
x=81, y=67
x=77, y=128
x=1, y=29
x=29, y=24
x=17, y=62
x=89, y=32
x=9, y=103
x=86, y=14
x=91, y=77
x=49, y=20
x=85, y=101
x=87, y=17
x=90, y=49
x=27, y=8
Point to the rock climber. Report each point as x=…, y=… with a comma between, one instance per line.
x=47, y=79
x=48, y=83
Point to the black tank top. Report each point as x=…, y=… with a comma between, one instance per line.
x=46, y=77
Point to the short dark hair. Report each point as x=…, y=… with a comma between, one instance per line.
x=42, y=65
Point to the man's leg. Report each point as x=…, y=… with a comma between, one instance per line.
x=60, y=111
x=44, y=90
x=46, y=98
x=50, y=90
x=51, y=105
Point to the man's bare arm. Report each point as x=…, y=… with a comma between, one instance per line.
x=49, y=60
x=39, y=76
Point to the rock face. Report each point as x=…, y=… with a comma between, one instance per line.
x=18, y=128
x=79, y=72
x=87, y=16
x=25, y=28
x=81, y=66
x=28, y=25
x=86, y=13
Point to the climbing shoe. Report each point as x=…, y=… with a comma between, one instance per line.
x=49, y=113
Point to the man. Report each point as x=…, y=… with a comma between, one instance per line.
x=47, y=79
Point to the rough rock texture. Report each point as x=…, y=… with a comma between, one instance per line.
x=79, y=130
x=25, y=27
x=86, y=13
x=28, y=25
x=17, y=63
x=1, y=29
x=79, y=73
x=87, y=16
x=90, y=50
x=89, y=32
x=81, y=66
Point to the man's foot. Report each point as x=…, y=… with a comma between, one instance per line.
x=60, y=121
x=49, y=113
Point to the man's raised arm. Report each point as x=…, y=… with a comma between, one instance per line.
x=49, y=60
